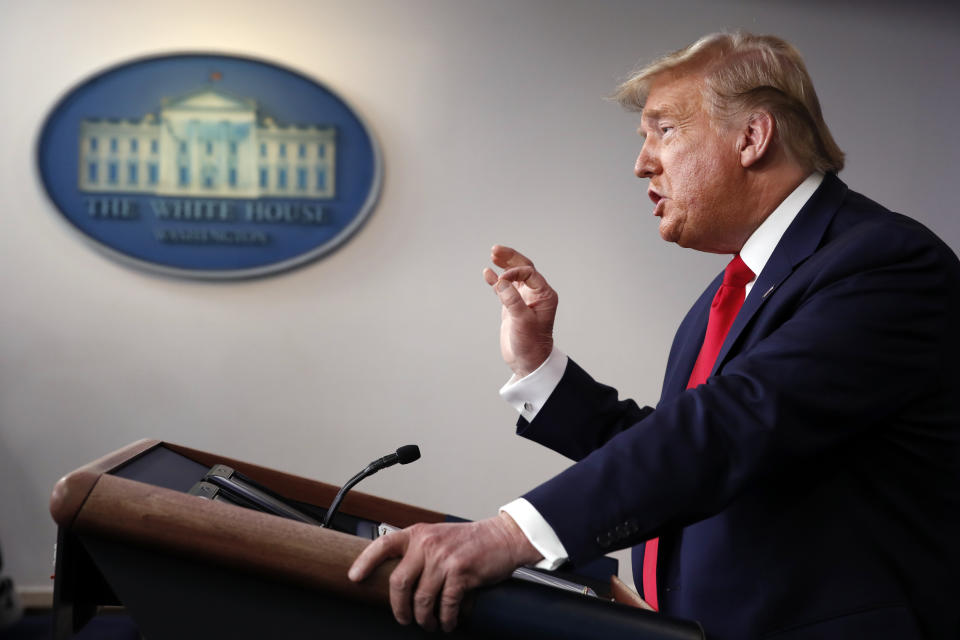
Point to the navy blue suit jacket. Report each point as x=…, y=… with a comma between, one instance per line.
x=811, y=488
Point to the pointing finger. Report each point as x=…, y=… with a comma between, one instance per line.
x=490, y=277
x=391, y=546
x=506, y=257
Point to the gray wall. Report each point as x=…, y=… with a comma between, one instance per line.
x=494, y=130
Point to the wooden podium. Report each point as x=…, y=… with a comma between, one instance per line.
x=185, y=567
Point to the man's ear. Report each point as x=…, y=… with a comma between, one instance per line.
x=756, y=138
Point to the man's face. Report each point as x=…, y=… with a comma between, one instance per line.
x=696, y=181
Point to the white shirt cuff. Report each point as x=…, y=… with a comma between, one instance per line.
x=538, y=532
x=528, y=394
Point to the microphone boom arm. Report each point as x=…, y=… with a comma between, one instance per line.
x=343, y=490
x=404, y=455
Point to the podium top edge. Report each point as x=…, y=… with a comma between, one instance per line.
x=70, y=491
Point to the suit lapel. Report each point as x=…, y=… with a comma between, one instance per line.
x=799, y=241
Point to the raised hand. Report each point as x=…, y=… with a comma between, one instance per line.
x=441, y=562
x=529, y=308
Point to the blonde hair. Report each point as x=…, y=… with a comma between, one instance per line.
x=744, y=72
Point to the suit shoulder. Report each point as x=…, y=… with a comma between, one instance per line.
x=870, y=230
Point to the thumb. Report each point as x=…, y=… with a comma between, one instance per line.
x=510, y=298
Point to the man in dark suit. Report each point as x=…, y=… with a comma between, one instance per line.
x=800, y=476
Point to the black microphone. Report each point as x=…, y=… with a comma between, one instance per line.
x=404, y=455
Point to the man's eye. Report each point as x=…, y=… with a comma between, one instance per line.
x=664, y=129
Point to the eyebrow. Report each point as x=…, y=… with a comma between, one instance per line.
x=664, y=111
x=651, y=114
x=674, y=111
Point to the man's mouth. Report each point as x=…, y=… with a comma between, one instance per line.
x=657, y=200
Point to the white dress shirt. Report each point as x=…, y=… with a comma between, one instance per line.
x=528, y=394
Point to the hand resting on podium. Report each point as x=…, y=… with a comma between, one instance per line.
x=441, y=562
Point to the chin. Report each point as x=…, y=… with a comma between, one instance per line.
x=671, y=233
x=667, y=237
x=696, y=244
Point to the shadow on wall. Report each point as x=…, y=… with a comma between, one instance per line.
x=25, y=524
x=10, y=608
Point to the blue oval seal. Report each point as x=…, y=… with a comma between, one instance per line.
x=209, y=166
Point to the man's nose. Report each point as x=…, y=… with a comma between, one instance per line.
x=647, y=165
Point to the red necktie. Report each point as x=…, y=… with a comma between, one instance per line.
x=726, y=303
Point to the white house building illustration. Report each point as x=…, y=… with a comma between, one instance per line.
x=207, y=144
